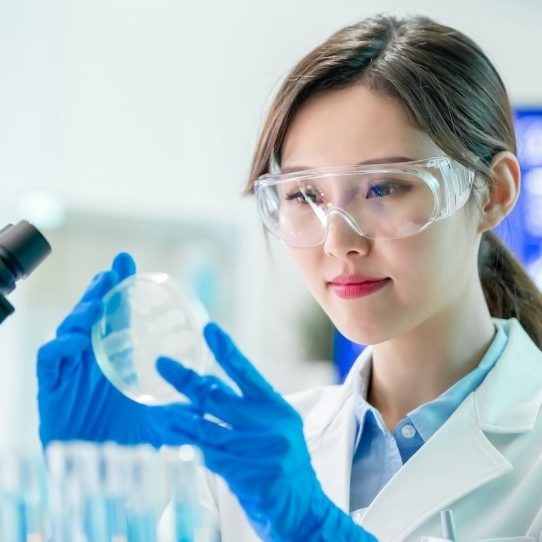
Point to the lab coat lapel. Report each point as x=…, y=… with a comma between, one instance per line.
x=330, y=430
x=467, y=461
x=331, y=452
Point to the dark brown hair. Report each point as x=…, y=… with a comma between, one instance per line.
x=449, y=89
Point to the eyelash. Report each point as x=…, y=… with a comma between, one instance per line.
x=300, y=196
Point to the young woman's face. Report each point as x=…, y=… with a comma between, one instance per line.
x=428, y=274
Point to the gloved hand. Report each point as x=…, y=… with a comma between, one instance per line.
x=76, y=401
x=256, y=445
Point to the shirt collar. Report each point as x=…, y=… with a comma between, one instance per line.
x=429, y=417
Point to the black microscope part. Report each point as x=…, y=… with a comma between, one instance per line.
x=22, y=249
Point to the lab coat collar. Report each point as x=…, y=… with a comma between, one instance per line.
x=330, y=430
x=508, y=400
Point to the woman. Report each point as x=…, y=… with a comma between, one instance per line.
x=385, y=161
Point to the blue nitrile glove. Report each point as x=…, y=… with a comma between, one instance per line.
x=76, y=401
x=257, y=446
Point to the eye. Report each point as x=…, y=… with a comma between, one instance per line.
x=304, y=196
x=387, y=188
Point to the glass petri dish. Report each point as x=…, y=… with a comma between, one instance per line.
x=144, y=317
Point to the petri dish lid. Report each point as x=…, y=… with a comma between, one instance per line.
x=144, y=317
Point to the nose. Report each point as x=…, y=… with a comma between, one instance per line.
x=343, y=236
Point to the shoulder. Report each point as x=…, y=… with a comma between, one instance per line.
x=510, y=397
x=518, y=338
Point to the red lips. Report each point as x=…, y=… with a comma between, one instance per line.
x=353, y=286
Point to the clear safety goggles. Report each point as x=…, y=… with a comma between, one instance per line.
x=380, y=201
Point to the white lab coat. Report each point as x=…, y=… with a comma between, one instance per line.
x=484, y=463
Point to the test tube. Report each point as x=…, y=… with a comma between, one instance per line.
x=116, y=471
x=143, y=501
x=191, y=521
x=181, y=469
x=86, y=463
x=65, y=497
x=32, y=473
x=12, y=509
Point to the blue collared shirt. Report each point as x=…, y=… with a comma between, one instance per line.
x=379, y=454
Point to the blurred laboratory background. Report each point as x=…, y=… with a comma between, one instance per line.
x=128, y=125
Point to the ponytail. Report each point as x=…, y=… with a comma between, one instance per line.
x=508, y=289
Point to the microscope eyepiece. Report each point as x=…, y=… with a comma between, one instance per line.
x=22, y=249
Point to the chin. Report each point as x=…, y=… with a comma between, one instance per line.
x=366, y=335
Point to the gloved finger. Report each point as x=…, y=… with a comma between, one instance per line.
x=246, y=445
x=238, y=469
x=52, y=356
x=235, y=459
x=253, y=385
x=124, y=265
x=81, y=319
x=180, y=423
x=118, y=305
x=207, y=394
x=100, y=285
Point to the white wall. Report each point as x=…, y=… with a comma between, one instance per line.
x=140, y=99
x=152, y=107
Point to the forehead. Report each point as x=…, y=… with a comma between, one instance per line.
x=352, y=125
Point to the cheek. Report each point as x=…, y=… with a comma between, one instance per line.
x=309, y=263
x=432, y=265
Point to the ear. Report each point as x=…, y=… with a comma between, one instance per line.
x=506, y=179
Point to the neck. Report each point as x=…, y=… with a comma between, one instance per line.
x=417, y=367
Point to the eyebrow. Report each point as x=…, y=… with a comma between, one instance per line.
x=383, y=160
